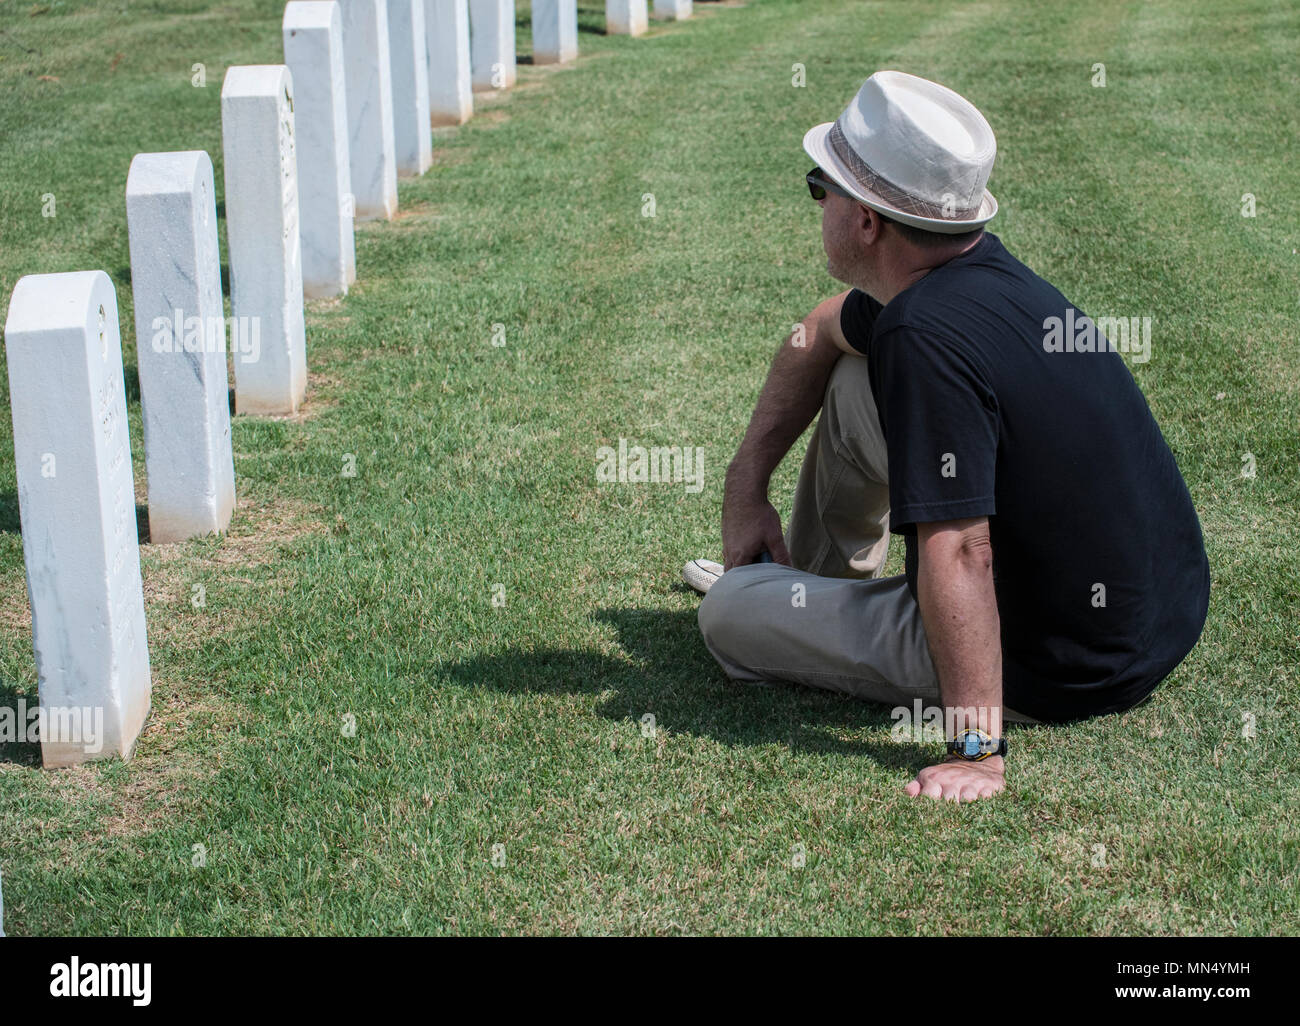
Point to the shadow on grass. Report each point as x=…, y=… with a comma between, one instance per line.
x=131, y=382
x=11, y=521
x=672, y=675
x=14, y=710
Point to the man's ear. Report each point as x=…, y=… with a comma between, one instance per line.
x=871, y=225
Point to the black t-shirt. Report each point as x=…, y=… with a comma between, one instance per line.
x=1098, y=561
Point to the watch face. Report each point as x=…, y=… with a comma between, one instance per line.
x=971, y=744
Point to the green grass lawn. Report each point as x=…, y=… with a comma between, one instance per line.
x=370, y=599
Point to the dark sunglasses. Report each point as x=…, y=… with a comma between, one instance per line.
x=819, y=185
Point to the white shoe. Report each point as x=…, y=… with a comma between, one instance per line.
x=701, y=573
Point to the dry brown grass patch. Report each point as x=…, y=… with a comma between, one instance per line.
x=165, y=768
x=259, y=527
x=15, y=611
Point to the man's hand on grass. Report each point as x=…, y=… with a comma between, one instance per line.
x=959, y=780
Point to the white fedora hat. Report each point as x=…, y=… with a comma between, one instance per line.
x=912, y=150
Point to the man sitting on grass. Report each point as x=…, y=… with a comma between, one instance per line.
x=1055, y=568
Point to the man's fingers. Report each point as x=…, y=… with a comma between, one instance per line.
x=742, y=559
x=954, y=784
x=776, y=548
x=737, y=558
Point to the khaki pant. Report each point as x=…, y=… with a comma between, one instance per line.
x=832, y=622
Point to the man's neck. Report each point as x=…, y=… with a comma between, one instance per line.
x=916, y=264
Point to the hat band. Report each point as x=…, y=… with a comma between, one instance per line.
x=872, y=182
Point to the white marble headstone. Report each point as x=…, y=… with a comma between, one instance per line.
x=673, y=9
x=409, y=61
x=261, y=170
x=626, y=17
x=492, y=44
x=555, y=31
x=446, y=29
x=367, y=75
x=313, y=52
x=180, y=334
x=76, y=494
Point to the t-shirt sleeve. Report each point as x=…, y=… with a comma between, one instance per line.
x=940, y=418
x=857, y=318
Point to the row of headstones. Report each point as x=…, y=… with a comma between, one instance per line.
x=66, y=382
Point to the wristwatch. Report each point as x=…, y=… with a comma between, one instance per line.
x=975, y=745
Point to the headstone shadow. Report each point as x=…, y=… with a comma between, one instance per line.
x=131, y=381
x=591, y=18
x=14, y=709
x=10, y=519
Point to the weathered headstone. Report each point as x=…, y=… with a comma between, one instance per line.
x=492, y=44
x=673, y=9
x=180, y=333
x=409, y=60
x=446, y=26
x=555, y=31
x=76, y=496
x=626, y=17
x=313, y=53
x=261, y=168
x=367, y=75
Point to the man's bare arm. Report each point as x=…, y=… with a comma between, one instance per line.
x=791, y=397
x=954, y=589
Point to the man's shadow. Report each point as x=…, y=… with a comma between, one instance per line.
x=670, y=675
